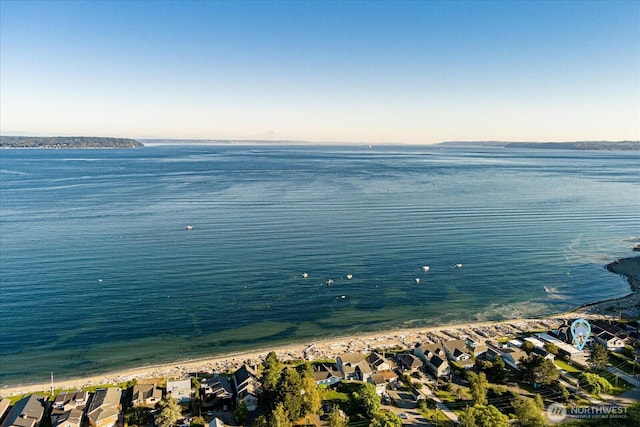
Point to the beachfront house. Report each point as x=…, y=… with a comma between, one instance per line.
x=218, y=386
x=71, y=400
x=512, y=356
x=104, y=409
x=326, y=375
x=180, y=390
x=409, y=363
x=67, y=408
x=476, y=348
x=564, y=349
x=379, y=363
x=70, y=418
x=610, y=341
x=434, y=357
x=145, y=395
x=27, y=412
x=458, y=352
x=354, y=366
x=247, y=384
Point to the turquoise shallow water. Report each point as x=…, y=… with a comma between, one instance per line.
x=97, y=270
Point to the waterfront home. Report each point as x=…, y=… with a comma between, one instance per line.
x=379, y=363
x=4, y=407
x=434, y=357
x=476, y=348
x=326, y=375
x=218, y=387
x=27, y=412
x=104, y=409
x=512, y=356
x=564, y=349
x=458, y=352
x=71, y=400
x=70, y=418
x=247, y=386
x=409, y=363
x=180, y=390
x=354, y=366
x=610, y=341
x=145, y=395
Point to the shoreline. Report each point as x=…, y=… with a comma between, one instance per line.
x=329, y=348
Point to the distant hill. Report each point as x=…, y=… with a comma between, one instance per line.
x=578, y=145
x=66, y=142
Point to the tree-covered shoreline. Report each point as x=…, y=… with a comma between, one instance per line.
x=56, y=142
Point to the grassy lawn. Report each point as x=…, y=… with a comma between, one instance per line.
x=570, y=369
x=445, y=396
x=335, y=396
x=430, y=416
x=622, y=363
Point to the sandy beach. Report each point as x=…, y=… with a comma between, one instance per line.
x=627, y=307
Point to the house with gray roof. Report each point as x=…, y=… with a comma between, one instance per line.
x=27, y=412
x=104, y=408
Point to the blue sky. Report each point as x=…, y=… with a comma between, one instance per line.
x=413, y=72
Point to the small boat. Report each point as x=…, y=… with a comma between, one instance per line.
x=305, y=275
x=425, y=268
x=329, y=282
x=343, y=297
x=417, y=280
x=458, y=265
x=188, y=227
x=349, y=276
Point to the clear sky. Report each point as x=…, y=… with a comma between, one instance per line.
x=350, y=71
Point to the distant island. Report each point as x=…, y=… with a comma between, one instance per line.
x=66, y=142
x=577, y=145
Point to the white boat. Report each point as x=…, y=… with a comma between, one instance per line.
x=425, y=268
x=329, y=282
x=417, y=280
x=349, y=276
x=188, y=227
x=458, y=265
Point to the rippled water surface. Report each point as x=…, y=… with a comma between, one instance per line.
x=97, y=270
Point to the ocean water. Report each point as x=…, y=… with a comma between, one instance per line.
x=97, y=269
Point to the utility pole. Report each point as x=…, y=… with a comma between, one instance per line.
x=437, y=414
x=52, y=385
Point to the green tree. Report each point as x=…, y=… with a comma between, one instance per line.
x=169, y=411
x=137, y=416
x=368, y=400
x=280, y=417
x=385, y=418
x=198, y=422
x=599, y=356
x=528, y=347
x=551, y=348
x=290, y=393
x=336, y=418
x=311, y=402
x=538, y=401
x=241, y=413
x=483, y=416
x=538, y=370
x=594, y=383
x=497, y=371
x=528, y=413
x=478, y=385
x=271, y=371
